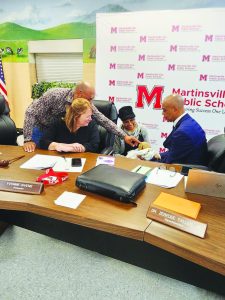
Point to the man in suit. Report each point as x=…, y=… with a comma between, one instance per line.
x=186, y=143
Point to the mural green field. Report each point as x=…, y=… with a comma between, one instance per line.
x=14, y=39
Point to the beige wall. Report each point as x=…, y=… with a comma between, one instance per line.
x=89, y=73
x=19, y=79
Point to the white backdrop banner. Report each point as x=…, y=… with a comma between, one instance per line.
x=143, y=57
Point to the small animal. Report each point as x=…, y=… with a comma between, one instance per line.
x=92, y=53
x=143, y=145
x=9, y=50
x=19, y=51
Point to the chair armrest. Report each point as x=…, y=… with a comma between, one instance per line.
x=107, y=151
x=19, y=131
x=201, y=167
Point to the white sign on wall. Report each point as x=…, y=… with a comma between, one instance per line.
x=143, y=57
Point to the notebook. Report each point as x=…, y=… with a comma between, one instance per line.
x=206, y=183
x=177, y=204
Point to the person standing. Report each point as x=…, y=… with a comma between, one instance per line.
x=43, y=112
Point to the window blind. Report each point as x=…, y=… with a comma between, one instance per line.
x=65, y=67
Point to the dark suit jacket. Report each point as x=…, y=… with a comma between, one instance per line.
x=186, y=143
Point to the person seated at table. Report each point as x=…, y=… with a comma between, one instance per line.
x=131, y=128
x=187, y=143
x=76, y=132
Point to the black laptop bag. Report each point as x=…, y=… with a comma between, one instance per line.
x=115, y=183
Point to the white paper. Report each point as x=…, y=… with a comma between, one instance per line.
x=142, y=170
x=58, y=163
x=68, y=199
x=64, y=165
x=164, y=178
x=106, y=160
x=40, y=162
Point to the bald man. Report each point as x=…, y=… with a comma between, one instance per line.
x=186, y=143
x=44, y=111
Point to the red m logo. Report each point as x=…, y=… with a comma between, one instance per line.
x=155, y=94
x=164, y=135
x=161, y=150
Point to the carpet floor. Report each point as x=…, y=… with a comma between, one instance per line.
x=34, y=266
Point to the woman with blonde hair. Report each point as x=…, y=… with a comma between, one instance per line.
x=76, y=132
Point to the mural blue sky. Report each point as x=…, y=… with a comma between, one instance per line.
x=44, y=14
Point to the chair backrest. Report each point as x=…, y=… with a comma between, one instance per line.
x=109, y=110
x=8, y=132
x=216, y=152
x=4, y=108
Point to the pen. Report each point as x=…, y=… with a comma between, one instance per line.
x=66, y=163
x=138, y=169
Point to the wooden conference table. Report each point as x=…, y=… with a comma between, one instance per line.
x=120, y=230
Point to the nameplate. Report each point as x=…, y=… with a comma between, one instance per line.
x=177, y=221
x=17, y=186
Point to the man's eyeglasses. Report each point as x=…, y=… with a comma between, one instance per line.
x=164, y=168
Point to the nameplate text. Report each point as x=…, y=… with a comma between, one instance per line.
x=177, y=221
x=17, y=186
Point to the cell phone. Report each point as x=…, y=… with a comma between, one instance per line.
x=76, y=162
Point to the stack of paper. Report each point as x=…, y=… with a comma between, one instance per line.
x=58, y=163
x=164, y=178
x=40, y=162
x=68, y=199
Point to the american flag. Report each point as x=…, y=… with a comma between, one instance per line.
x=3, y=90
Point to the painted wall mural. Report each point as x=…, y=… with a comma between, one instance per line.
x=25, y=20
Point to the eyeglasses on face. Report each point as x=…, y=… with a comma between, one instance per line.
x=164, y=168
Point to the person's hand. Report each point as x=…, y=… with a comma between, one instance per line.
x=61, y=147
x=78, y=147
x=29, y=146
x=131, y=140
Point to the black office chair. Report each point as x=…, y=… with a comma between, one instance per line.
x=216, y=155
x=8, y=132
x=216, y=152
x=106, y=138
